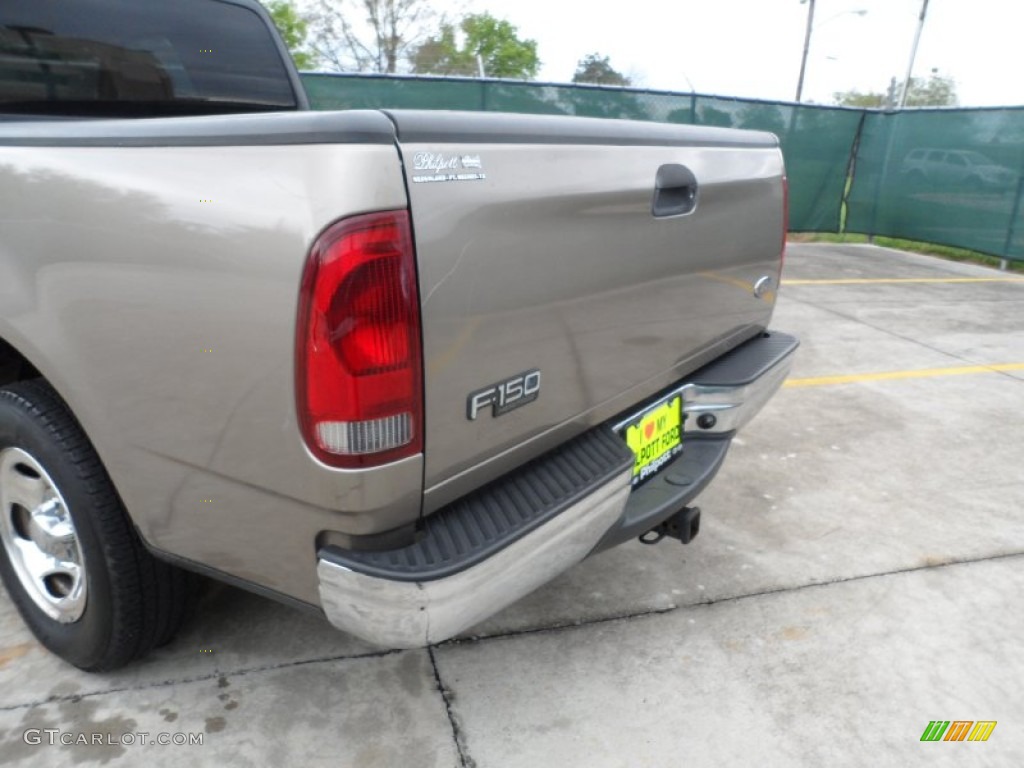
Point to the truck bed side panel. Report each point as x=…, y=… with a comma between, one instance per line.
x=156, y=285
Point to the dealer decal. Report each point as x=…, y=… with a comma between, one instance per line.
x=437, y=166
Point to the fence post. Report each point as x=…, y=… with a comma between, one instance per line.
x=883, y=171
x=851, y=176
x=1011, y=228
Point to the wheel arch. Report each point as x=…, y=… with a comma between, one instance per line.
x=20, y=363
x=14, y=366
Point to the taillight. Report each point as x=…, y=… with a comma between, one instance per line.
x=359, y=380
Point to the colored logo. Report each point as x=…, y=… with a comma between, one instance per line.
x=958, y=730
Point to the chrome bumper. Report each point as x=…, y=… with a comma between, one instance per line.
x=732, y=405
x=404, y=614
x=411, y=614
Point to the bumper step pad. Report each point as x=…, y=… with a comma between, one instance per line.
x=473, y=528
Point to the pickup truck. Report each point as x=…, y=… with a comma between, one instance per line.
x=397, y=367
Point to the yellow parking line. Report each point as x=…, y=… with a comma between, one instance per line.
x=873, y=280
x=821, y=381
x=746, y=285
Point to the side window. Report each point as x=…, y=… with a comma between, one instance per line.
x=957, y=160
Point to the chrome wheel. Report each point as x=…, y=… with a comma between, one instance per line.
x=40, y=538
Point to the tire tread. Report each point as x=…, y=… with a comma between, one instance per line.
x=149, y=596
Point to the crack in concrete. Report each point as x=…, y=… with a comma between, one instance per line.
x=465, y=761
x=633, y=616
x=446, y=694
x=74, y=697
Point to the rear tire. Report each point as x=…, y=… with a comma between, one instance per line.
x=70, y=557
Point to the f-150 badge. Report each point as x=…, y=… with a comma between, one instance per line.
x=504, y=396
x=443, y=167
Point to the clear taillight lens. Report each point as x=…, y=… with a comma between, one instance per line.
x=359, y=379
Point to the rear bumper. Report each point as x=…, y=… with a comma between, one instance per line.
x=405, y=614
x=486, y=551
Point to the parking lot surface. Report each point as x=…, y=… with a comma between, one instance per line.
x=858, y=575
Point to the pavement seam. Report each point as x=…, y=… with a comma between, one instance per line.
x=465, y=761
x=74, y=697
x=894, y=334
x=628, y=617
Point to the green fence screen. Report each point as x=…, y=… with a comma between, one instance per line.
x=945, y=176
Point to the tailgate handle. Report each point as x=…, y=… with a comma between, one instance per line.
x=675, y=191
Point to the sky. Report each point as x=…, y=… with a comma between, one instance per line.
x=752, y=48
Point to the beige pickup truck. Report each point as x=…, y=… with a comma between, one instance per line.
x=399, y=368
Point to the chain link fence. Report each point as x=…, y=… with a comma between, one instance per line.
x=946, y=176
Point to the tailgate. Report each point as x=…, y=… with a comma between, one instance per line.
x=539, y=250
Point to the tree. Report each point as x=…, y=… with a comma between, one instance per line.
x=937, y=91
x=684, y=115
x=596, y=69
x=294, y=29
x=712, y=116
x=368, y=35
x=856, y=98
x=496, y=41
x=762, y=117
x=599, y=102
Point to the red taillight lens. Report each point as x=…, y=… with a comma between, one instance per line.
x=359, y=379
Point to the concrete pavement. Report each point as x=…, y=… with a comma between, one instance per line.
x=858, y=574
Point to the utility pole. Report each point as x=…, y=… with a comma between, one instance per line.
x=913, y=53
x=807, y=46
x=890, y=94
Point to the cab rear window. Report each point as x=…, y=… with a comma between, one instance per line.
x=138, y=57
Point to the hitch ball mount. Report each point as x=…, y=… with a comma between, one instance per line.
x=683, y=525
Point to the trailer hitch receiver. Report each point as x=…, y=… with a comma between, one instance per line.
x=683, y=525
